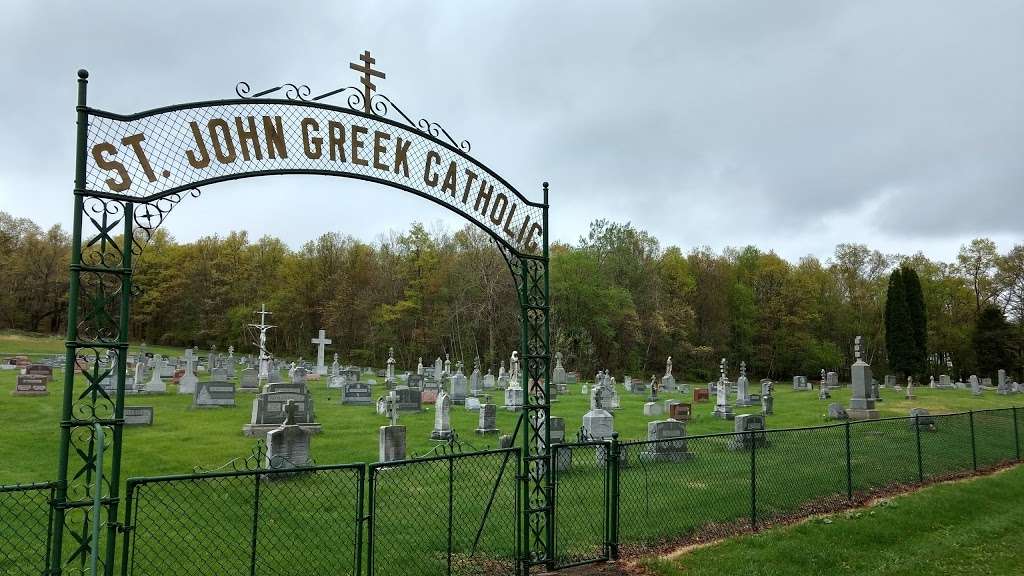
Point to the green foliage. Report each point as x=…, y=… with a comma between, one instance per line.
x=620, y=300
x=992, y=338
x=918, y=321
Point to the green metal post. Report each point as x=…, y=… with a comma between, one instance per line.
x=527, y=469
x=127, y=528
x=920, y=459
x=370, y=508
x=97, y=502
x=849, y=464
x=254, y=535
x=1016, y=434
x=122, y=372
x=974, y=448
x=360, y=489
x=549, y=514
x=613, y=498
x=753, y=481
x=451, y=508
x=71, y=344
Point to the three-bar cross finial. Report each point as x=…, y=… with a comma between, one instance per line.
x=368, y=72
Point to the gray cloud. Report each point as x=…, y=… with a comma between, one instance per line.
x=792, y=125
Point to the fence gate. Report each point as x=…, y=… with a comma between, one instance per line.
x=245, y=522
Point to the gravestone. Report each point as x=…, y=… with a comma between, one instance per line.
x=750, y=431
x=652, y=409
x=487, y=423
x=219, y=374
x=391, y=438
x=681, y=411
x=836, y=412
x=389, y=371
x=188, y=381
x=701, y=395
x=414, y=381
x=558, y=377
x=321, y=342
x=489, y=381
x=502, y=377
x=1004, y=385
x=668, y=381
x=476, y=381
x=442, y=418
x=47, y=371
x=666, y=442
x=801, y=383
x=563, y=456
x=249, y=381
x=30, y=385
x=268, y=409
x=428, y=396
x=408, y=399
x=862, y=400
x=357, y=393
x=945, y=382
x=213, y=395
x=975, y=385
x=922, y=419
x=459, y=386
x=668, y=404
x=890, y=380
x=742, y=384
x=723, y=409
x=156, y=384
x=832, y=380
x=473, y=403
x=138, y=415
x=598, y=424
x=288, y=444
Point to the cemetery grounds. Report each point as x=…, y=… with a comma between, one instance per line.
x=457, y=514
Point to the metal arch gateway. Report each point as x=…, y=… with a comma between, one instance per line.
x=132, y=170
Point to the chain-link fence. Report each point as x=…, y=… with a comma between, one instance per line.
x=452, y=514
x=25, y=526
x=246, y=522
x=701, y=487
x=463, y=513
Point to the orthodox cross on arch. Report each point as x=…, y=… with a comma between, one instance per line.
x=366, y=68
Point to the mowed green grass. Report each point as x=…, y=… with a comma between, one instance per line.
x=966, y=528
x=181, y=525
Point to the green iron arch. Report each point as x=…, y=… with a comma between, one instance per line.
x=132, y=170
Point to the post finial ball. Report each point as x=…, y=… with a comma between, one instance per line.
x=83, y=73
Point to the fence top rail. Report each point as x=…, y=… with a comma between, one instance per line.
x=360, y=466
x=27, y=487
x=409, y=461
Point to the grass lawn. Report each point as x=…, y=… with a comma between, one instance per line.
x=182, y=437
x=965, y=528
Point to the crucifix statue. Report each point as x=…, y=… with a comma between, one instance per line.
x=368, y=72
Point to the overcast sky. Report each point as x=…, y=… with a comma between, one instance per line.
x=790, y=125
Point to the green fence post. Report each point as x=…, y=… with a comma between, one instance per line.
x=255, y=525
x=126, y=529
x=613, y=500
x=974, y=448
x=451, y=507
x=371, y=506
x=920, y=461
x=1016, y=434
x=360, y=493
x=753, y=481
x=849, y=464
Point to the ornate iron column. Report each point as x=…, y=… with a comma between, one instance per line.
x=97, y=344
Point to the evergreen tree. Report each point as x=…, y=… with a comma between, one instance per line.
x=992, y=335
x=899, y=340
x=918, y=322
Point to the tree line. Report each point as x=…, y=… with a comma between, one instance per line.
x=620, y=301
